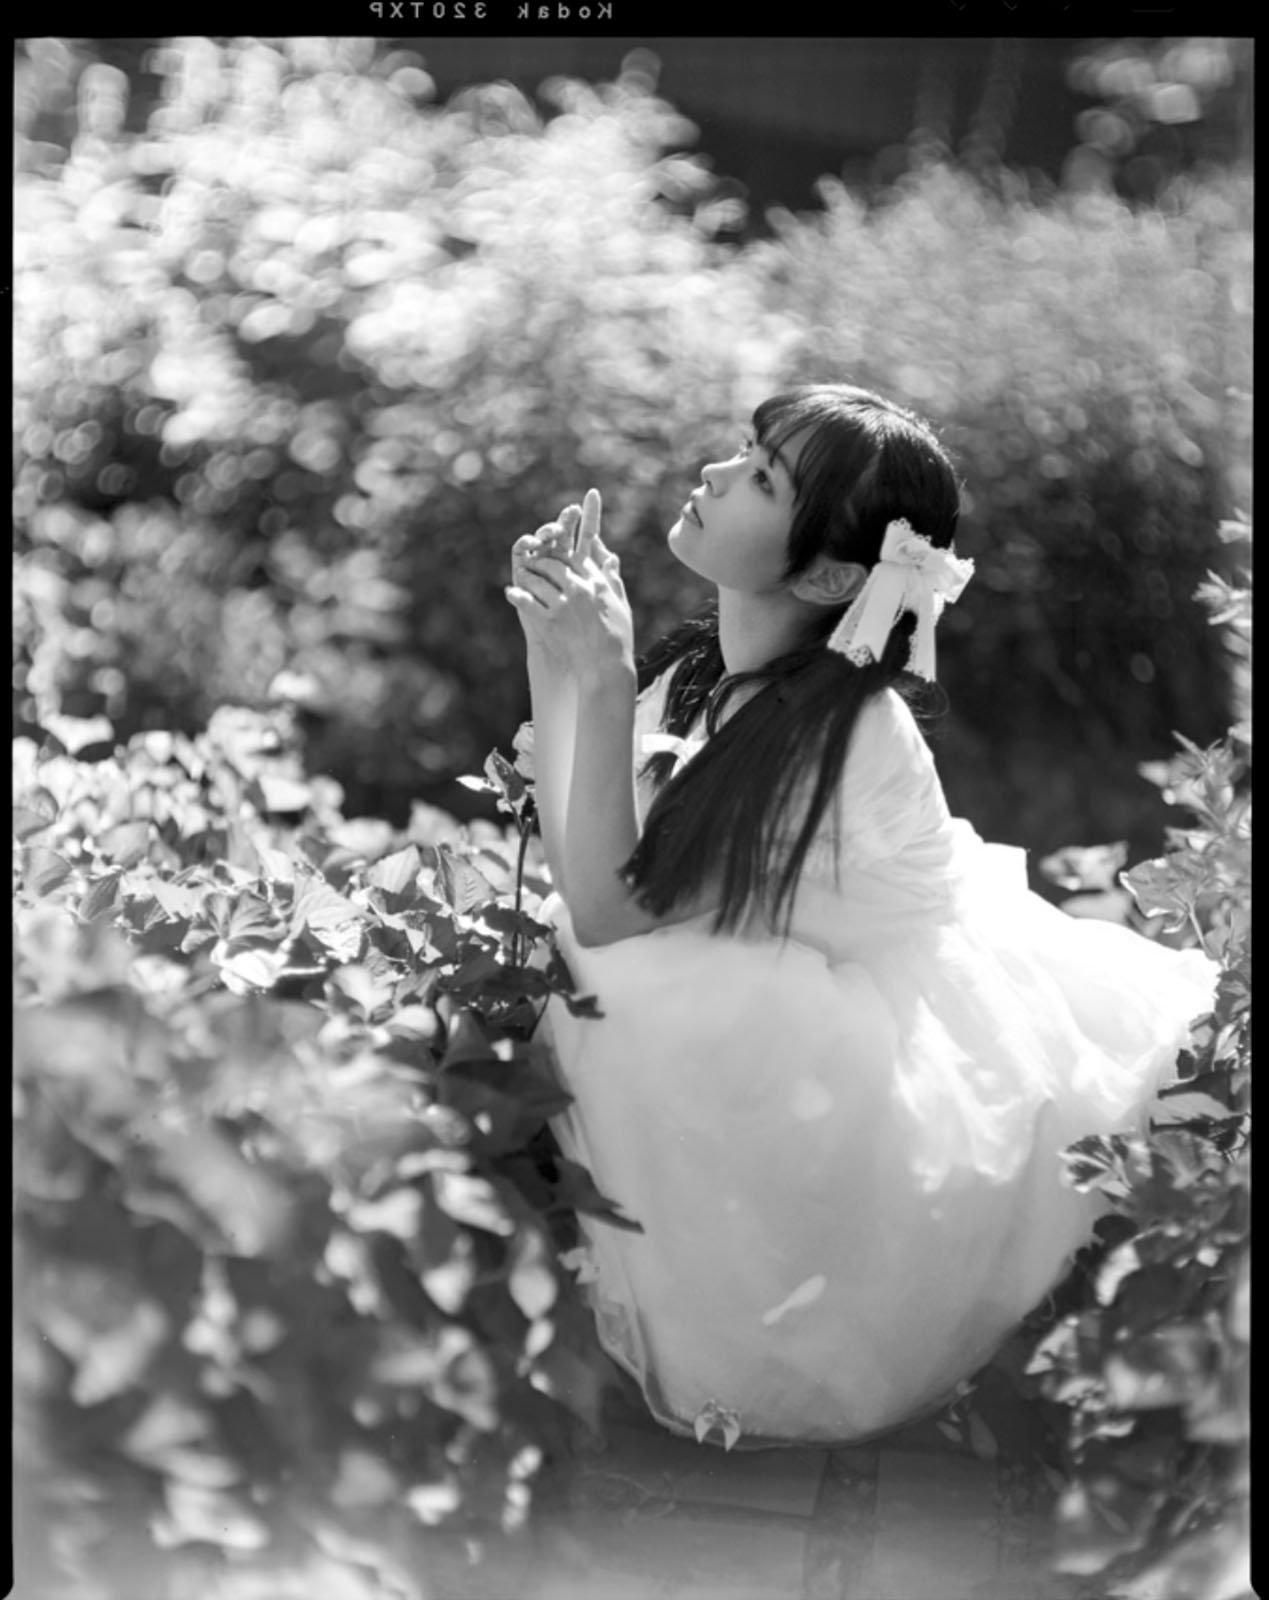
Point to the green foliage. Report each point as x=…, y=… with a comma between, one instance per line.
x=297, y=360
x=1158, y=105
x=330, y=349
x=1089, y=365
x=1153, y=1361
x=287, y=1229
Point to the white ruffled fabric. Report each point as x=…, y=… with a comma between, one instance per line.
x=843, y=1148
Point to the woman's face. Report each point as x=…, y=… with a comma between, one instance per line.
x=734, y=530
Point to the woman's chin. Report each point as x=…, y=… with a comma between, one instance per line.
x=682, y=529
x=678, y=543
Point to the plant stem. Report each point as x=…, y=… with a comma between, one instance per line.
x=525, y=822
x=1194, y=923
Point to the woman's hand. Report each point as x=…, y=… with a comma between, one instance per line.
x=571, y=602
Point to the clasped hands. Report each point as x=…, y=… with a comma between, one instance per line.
x=570, y=598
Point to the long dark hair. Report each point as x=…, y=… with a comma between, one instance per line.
x=732, y=811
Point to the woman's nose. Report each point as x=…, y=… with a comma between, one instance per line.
x=709, y=473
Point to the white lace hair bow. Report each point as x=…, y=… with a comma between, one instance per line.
x=911, y=575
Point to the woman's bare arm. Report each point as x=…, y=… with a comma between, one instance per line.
x=554, y=708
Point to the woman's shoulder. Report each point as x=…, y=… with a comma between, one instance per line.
x=888, y=732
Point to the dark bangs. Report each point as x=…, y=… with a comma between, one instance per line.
x=864, y=461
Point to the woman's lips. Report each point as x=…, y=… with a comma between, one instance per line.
x=690, y=511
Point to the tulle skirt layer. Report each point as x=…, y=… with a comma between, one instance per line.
x=847, y=1170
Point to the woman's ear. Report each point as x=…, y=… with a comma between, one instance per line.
x=829, y=583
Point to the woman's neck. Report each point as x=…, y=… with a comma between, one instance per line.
x=754, y=629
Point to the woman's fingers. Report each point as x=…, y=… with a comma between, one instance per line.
x=538, y=584
x=569, y=519
x=568, y=540
x=527, y=546
x=588, y=530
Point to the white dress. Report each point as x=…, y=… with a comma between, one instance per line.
x=844, y=1149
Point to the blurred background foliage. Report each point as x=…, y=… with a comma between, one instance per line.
x=300, y=352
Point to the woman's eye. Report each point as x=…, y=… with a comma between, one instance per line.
x=762, y=480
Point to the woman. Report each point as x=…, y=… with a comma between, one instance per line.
x=842, y=1045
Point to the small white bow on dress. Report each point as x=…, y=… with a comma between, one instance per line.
x=683, y=749
x=911, y=575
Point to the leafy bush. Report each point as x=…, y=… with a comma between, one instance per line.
x=1159, y=105
x=1090, y=367
x=330, y=349
x=1152, y=1359
x=299, y=359
x=290, y=1297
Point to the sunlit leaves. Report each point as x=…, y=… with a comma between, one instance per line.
x=302, y=1065
x=334, y=922
x=43, y=871
x=397, y=871
x=1155, y=1372
x=534, y=1280
x=471, y=1199
x=30, y=819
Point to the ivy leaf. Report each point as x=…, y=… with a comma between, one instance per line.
x=76, y=733
x=532, y=1281
x=127, y=844
x=43, y=870
x=1118, y=1265
x=469, y=1198
x=361, y=838
x=167, y=1423
x=1111, y=1164
x=336, y=923
x=397, y=1213
x=281, y=795
x=366, y=992
x=506, y=780
x=250, y=971
x=28, y=821
x=364, y=1480
x=240, y=850
x=1161, y=890
x=574, y=1382
x=252, y=918
x=177, y=900
x=395, y=874
x=476, y=971
x=576, y=1189
x=437, y=1231
x=462, y=885
x=196, y=1514
x=451, y=1278
x=494, y=1115
x=117, y=1359
x=1159, y=1368
x=252, y=1211
x=506, y=919
x=417, y=1021
x=1206, y=1084
x=100, y=898
x=467, y=1041
x=1191, y=1107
